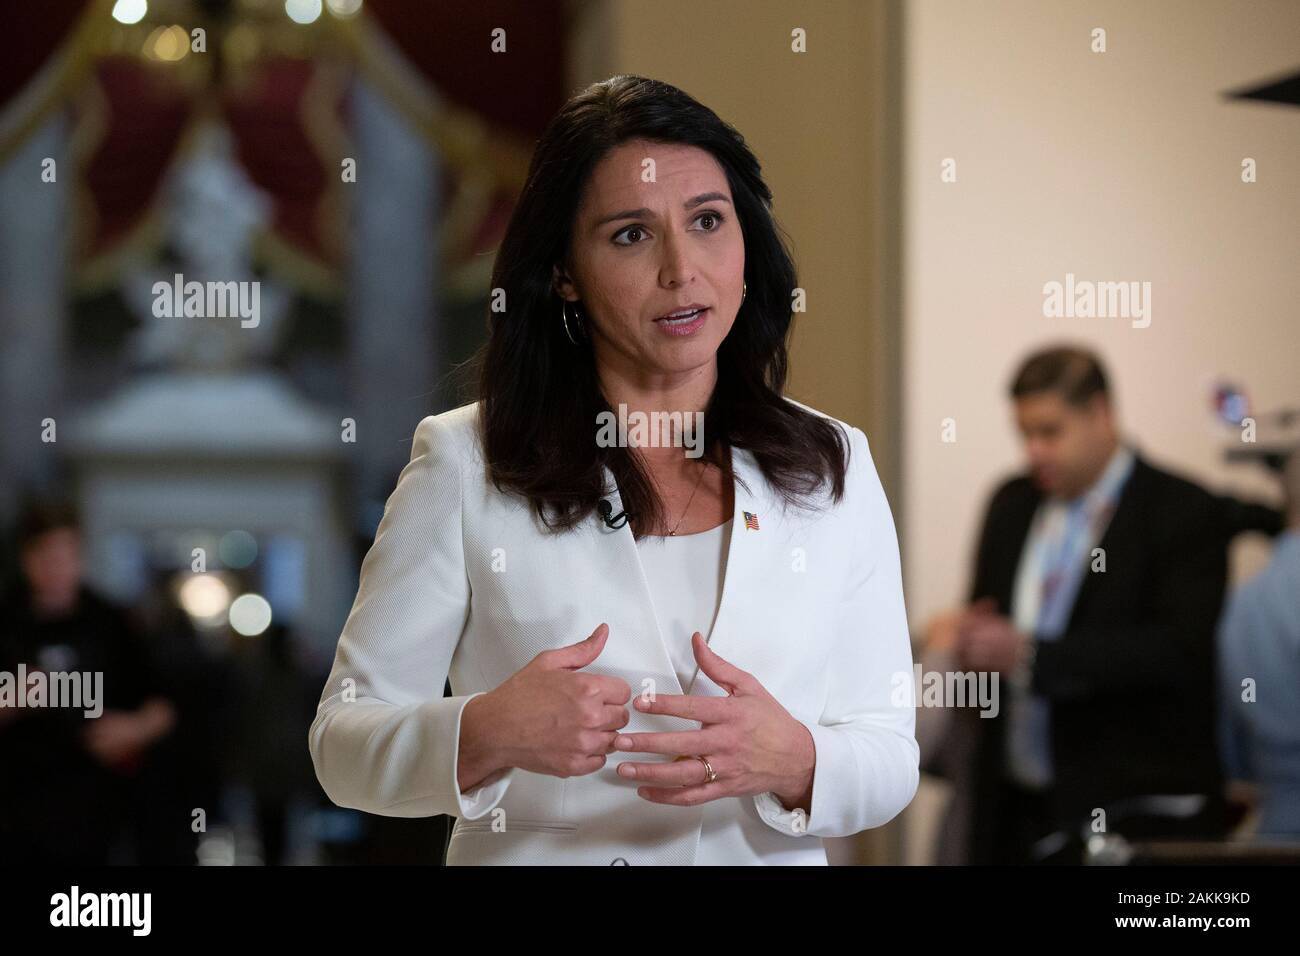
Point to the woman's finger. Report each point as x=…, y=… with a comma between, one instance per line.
x=682, y=772
x=687, y=796
x=670, y=742
x=615, y=718
x=719, y=670
x=707, y=710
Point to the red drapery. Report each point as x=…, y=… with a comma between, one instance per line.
x=287, y=110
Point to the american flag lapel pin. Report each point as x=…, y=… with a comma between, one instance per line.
x=751, y=521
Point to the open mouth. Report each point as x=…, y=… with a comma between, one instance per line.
x=682, y=317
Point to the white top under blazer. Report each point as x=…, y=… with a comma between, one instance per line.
x=463, y=581
x=684, y=573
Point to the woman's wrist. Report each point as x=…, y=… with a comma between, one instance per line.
x=799, y=793
x=793, y=801
x=478, y=757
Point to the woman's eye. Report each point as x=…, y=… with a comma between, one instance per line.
x=627, y=232
x=716, y=216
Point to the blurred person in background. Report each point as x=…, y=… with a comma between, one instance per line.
x=1098, y=580
x=276, y=701
x=185, y=771
x=68, y=777
x=1259, y=641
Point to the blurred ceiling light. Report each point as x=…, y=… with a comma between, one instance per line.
x=250, y=615
x=168, y=44
x=130, y=11
x=303, y=11
x=204, y=597
x=344, y=8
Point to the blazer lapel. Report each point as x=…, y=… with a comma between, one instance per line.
x=742, y=554
x=623, y=559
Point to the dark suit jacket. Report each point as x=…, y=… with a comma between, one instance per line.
x=1131, y=681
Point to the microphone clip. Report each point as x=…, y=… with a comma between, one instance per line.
x=605, y=509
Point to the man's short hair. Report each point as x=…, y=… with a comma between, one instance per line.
x=41, y=513
x=1073, y=373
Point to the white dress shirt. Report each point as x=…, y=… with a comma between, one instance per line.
x=1056, y=547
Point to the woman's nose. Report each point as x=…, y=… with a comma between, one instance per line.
x=676, y=268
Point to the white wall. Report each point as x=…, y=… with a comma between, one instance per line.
x=1123, y=165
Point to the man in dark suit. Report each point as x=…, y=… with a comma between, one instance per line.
x=1098, y=581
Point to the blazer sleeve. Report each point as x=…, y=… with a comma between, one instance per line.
x=384, y=739
x=868, y=761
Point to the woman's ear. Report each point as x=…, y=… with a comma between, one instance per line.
x=563, y=284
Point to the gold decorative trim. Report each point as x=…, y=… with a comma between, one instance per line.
x=319, y=115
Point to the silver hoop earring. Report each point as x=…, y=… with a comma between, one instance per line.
x=564, y=317
x=744, y=287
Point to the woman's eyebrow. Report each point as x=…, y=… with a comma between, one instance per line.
x=644, y=213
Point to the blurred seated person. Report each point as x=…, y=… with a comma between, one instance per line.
x=68, y=776
x=1259, y=682
x=1097, y=583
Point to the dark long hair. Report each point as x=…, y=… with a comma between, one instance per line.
x=539, y=393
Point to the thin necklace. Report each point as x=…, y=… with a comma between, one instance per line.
x=673, y=532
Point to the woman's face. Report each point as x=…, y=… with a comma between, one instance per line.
x=649, y=239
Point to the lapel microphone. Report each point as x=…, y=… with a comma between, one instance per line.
x=606, y=509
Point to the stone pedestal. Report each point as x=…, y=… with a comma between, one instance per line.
x=178, y=460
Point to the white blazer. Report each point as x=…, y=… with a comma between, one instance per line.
x=462, y=580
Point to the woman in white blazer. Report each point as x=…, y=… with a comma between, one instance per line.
x=666, y=645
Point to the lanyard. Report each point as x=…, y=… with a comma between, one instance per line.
x=1083, y=517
